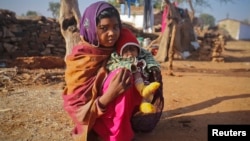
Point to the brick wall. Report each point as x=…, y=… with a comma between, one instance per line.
x=29, y=36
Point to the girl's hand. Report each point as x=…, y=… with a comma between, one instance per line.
x=119, y=84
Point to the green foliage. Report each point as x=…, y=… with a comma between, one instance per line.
x=54, y=7
x=31, y=13
x=207, y=19
x=157, y=4
x=114, y=3
x=246, y=21
x=202, y=3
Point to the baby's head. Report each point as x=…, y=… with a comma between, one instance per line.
x=127, y=45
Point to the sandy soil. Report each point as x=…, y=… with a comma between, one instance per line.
x=202, y=93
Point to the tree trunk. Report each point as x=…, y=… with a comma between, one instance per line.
x=192, y=13
x=69, y=20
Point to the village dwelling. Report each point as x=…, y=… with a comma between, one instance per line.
x=237, y=29
x=135, y=20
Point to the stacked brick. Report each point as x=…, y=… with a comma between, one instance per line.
x=29, y=36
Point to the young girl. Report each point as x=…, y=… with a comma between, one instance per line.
x=95, y=100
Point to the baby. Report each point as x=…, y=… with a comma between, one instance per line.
x=131, y=56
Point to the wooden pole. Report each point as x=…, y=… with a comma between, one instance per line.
x=175, y=17
x=171, y=51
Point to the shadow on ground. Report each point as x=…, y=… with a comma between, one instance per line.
x=174, y=127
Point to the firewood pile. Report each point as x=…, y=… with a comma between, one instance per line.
x=29, y=36
x=212, y=43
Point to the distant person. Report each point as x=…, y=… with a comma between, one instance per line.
x=148, y=16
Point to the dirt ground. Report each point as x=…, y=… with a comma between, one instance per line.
x=202, y=93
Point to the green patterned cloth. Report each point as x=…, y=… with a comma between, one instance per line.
x=117, y=61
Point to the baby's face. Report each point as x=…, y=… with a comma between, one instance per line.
x=130, y=51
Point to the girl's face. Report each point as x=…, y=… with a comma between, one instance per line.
x=130, y=51
x=108, y=31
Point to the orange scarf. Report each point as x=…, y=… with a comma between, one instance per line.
x=84, y=75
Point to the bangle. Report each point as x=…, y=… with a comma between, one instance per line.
x=100, y=105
